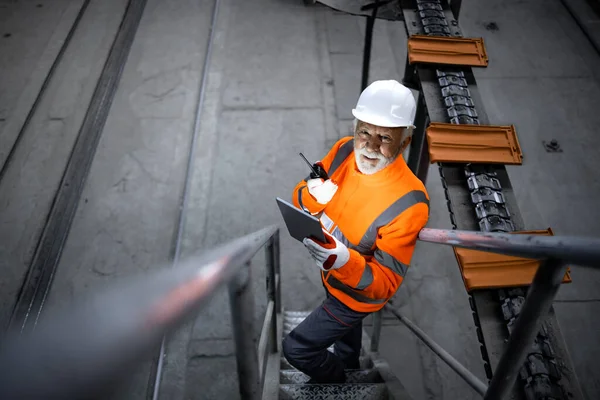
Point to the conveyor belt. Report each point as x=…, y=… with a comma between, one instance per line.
x=494, y=311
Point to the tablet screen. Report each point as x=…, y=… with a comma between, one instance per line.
x=300, y=224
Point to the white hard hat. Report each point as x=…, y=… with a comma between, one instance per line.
x=386, y=103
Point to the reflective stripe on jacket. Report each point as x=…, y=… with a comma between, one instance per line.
x=378, y=217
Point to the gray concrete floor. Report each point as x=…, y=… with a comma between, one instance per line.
x=282, y=79
x=31, y=178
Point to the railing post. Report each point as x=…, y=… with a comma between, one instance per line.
x=272, y=292
x=377, y=316
x=277, y=264
x=241, y=301
x=537, y=304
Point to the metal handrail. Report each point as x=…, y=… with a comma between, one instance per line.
x=83, y=349
x=556, y=252
x=464, y=373
x=77, y=351
x=582, y=251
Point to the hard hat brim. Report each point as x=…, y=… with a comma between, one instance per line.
x=377, y=120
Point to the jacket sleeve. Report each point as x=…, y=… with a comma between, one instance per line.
x=301, y=198
x=379, y=276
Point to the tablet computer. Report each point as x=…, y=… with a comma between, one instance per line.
x=300, y=224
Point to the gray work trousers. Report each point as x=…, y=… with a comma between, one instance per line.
x=332, y=322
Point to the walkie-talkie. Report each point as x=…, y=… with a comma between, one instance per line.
x=316, y=169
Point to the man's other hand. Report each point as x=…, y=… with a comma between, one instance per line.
x=331, y=255
x=322, y=191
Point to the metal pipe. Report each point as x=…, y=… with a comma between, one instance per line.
x=423, y=166
x=582, y=251
x=376, y=331
x=537, y=304
x=367, y=46
x=100, y=338
x=464, y=373
x=241, y=302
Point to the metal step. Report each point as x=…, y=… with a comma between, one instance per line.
x=296, y=314
x=352, y=376
x=291, y=319
x=361, y=391
x=365, y=363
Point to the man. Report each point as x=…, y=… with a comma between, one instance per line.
x=372, y=208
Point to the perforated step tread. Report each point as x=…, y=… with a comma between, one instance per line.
x=294, y=317
x=296, y=314
x=352, y=376
x=373, y=391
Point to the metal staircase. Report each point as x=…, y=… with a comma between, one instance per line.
x=364, y=383
x=98, y=339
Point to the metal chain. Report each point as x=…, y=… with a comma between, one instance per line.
x=540, y=374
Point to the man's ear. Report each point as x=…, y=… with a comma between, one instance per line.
x=405, y=143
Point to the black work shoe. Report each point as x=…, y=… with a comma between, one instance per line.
x=352, y=365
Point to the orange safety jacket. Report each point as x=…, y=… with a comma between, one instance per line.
x=378, y=217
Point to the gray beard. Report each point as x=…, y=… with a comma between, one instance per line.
x=368, y=169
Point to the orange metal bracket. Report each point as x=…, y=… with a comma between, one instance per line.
x=473, y=144
x=484, y=270
x=447, y=50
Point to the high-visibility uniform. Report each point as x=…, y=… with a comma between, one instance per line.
x=378, y=217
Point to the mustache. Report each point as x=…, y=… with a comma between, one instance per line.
x=371, y=154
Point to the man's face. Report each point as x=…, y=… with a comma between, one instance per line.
x=376, y=147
